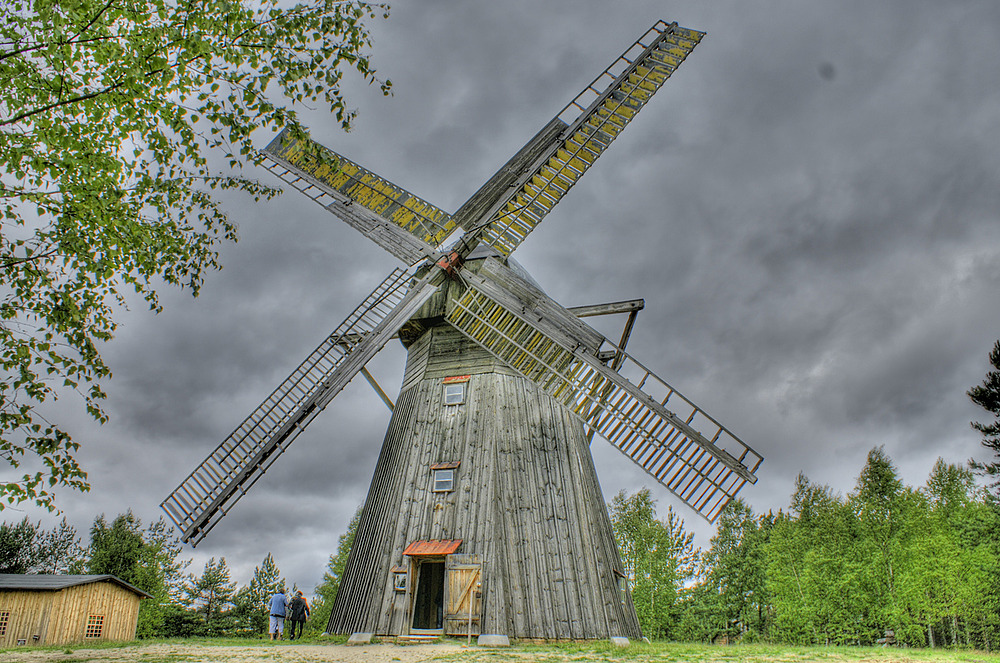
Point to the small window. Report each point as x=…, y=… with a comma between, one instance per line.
x=95, y=624
x=399, y=580
x=622, y=584
x=4, y=619
x=444, y=481
x=454, y=394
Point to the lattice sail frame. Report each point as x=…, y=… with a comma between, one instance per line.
x=402, y=223
x=207, y=494
x=683, y=448
x=594, y=119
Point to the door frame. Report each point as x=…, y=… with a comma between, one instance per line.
x=414, y=587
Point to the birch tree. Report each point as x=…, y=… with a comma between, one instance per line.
x=121, y=121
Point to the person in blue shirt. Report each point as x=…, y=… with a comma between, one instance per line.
x=278, y=606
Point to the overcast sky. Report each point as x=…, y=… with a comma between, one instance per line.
x=808, y=207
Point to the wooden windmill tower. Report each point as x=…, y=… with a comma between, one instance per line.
x=485, y=514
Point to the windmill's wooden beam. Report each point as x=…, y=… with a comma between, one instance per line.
x=378, y=389
x=607, y=309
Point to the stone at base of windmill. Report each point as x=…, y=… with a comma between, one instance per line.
x=619, y=641
x=359, y=638
x=493, y=640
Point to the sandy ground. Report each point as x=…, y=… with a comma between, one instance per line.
x=376, y=653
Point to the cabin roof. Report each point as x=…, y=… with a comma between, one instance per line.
x=50, y=582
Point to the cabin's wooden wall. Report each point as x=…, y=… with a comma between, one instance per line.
x=59, y=617
x=28, y=615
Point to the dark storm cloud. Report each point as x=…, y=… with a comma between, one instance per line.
x=808, y=208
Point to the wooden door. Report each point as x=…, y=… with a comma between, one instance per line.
x=463, y=598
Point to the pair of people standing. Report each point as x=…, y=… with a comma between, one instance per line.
x=296, y=611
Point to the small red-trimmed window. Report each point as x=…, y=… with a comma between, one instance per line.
x=444, y=481
x=4, y=620
x=443, y=476
x=454, y=389
x=95, y=624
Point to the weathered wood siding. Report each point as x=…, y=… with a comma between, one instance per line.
x=526, y=501
x=59, y=617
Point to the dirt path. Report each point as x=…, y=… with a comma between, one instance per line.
x=171, y=653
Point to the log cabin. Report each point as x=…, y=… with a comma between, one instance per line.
x=60, y=609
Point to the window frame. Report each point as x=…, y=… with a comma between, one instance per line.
x=94, y=627
x=438, y=482
x=452, y=389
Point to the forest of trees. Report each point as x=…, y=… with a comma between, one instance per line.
x=829, y=570
x=921, y=562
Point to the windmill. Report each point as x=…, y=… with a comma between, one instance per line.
x=485, y=515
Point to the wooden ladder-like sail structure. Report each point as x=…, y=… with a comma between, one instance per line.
x=689, y=453
x=206, y=495
x=485, y=502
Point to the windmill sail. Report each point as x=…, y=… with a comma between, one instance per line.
x=592, y=120
x=406, y=226
x=205, y=496
x=673, y=440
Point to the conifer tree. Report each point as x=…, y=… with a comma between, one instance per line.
x=213, y=591
x=987, y=396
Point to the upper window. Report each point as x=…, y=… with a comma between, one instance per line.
x=444, y=481
x=454, y=394
x=95, y=624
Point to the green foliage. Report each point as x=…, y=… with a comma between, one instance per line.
x=811, y=574
x=212, y=594
x=121, y=121
x=658, y=556
x=987, y=396
x=734, y=571
x=58, y=550
x=326, y=591
x=17, y=546
x=26, y=548
x=147, y=559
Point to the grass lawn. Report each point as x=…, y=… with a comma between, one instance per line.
x=696, y=653
x=331, y=650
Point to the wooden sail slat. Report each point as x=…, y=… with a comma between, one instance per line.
x=634, y=420
x=594, y=118
x=403, y=224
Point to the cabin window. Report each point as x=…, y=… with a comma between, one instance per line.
x=4, y=618
x=95, y=624
x=444, y=481
x=454, y=394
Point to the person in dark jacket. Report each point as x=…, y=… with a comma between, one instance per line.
x=298, y=613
